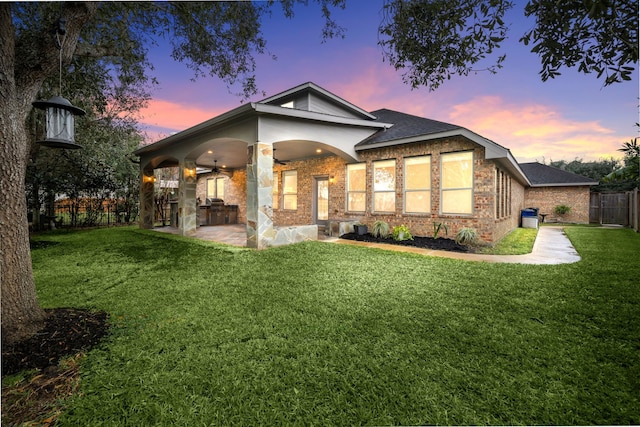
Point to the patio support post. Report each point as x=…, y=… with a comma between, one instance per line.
x=147, y=208
x=187, y=215
x=260, y=229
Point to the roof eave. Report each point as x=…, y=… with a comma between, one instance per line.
x=234, y=114
x=493, y=151
x=566, y=184
x=312, y=115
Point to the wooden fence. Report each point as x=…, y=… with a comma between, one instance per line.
x=619, y=208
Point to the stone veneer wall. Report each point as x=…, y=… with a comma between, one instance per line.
x=484, y=217
x=547, y=198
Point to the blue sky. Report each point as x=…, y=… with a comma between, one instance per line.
x=572, y=116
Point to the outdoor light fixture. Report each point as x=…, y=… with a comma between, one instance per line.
x=59, y=113
x=60, y=122
x=190, y=173
x=149, y=178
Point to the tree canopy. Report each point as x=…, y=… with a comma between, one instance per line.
x=432, y=40
x=111, y=39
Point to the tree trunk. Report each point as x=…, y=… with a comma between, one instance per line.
x=21, y=313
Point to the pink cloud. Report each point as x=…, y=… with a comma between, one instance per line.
x=174, y=116
x=536, y=131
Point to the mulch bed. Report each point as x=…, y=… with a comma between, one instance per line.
x=440, y=243
x=66, y=332
x=50, y=359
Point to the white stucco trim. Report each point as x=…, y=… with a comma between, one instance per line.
x=312, y=115
x=313, y=86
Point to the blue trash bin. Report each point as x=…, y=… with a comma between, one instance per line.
x=529, y=218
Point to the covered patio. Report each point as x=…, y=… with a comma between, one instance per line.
x=299, y=123
x=231, y=234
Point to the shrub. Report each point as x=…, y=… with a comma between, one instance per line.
x=467, y=236
x=380, y=229
x=401, y=232
x=562, y=209
x=437, y=226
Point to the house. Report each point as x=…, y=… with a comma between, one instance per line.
x=550, y=187
x=306, y=158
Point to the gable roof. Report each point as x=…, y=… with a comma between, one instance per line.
x=312, y=90
x=547, y=176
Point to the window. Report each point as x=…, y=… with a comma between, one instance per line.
x=275, y=191
x=215, y=188
x=457, y=183
x=503, y=194
x=417, y=184
x=290, y=190
x=384, y=186
x=356, y=187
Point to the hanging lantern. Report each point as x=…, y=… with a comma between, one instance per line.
x=60, y=122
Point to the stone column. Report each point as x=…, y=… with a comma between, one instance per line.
x=260, y=231
x=147, y=205
x=187, y=215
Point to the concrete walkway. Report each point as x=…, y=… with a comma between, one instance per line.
x=551, y=246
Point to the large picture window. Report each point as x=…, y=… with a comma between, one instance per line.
x=384, y=186
x=215, y=188
x=290, y=190
x=503, y=194
x=457, y=183
x=417, y=184
x=356, y=187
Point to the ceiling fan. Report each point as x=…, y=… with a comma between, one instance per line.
x=280, y=162
x=215, y=169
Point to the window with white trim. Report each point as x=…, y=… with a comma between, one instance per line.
x=457, y=183
x=384, y=186
x=357, y=187
x=417, y=184
x=290, y=190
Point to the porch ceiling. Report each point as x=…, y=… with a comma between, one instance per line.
x=233, y=154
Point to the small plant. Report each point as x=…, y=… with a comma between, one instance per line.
x=380, y=229
x=437, y=226
x=467, y=236
x=401, y=232
x=562, y=209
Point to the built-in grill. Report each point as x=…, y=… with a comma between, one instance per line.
x=215, y=212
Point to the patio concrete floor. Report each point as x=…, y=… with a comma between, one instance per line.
x=551, y=246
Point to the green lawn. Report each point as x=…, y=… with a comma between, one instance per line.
x=520, y=241
x=325, y=334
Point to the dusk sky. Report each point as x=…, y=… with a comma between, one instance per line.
x=572, y=116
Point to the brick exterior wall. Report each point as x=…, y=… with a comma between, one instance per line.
x=483, y=219
x=547, y=198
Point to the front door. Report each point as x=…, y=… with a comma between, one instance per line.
x=321, y=201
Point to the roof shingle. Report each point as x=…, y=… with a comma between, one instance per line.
x=540, y=174
x=404, y=126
